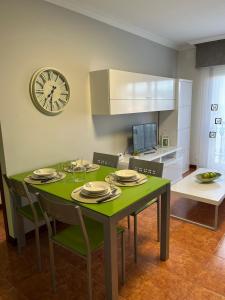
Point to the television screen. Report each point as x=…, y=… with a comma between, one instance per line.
x=144, y=137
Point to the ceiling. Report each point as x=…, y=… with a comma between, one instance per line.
x=173, y=23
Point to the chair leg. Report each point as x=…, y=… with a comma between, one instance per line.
x=123, y=257
x=20, y=234
x=158, y=219
x=128, y=221
x=54, y=226
x=52, y=265
x=89, y=277
x=37, y=240
x=135, y=238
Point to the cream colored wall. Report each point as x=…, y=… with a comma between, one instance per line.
x=36, y=34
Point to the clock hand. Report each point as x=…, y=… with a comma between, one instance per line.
x=50, y=95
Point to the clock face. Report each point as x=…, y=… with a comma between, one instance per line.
x=49, y=91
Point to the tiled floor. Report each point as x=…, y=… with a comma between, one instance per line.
x=195, y=270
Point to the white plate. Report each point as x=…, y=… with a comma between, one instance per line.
x=96, y=186
x=76, y=195
x=45, y=172
x=90, y=168
x=141, y=179
x=126, y=174
x=80, y=162
x=94, y=195
x=60, y=176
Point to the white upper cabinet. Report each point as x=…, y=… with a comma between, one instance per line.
x=120, y=92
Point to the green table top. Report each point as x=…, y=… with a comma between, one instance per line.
x=130, y=195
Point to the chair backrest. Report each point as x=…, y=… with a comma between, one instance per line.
x=108, y=160
x=18, y=190
x=66, y=213
x=146, y=167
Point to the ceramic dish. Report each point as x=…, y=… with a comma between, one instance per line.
x=141, y=179
x=90, y=168
x=44, y=172
x=79, y=162
x=96, y=187
x=126, y=174
x=76, y=195
x=207, y=176
x=29, y=179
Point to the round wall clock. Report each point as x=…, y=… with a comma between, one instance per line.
x=49, y=91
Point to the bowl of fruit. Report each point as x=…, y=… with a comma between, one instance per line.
x=207, y=176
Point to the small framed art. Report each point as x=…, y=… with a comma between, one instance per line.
x=214, y=107
x=165, y=141
x=218, y=120
x=212, y=134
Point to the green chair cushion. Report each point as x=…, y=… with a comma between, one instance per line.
x=144, y=207
x=72, y=237
x=26, y=212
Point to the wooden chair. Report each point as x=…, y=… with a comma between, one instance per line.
x=103, y=159
x=83, y=236
x=31, y=211
x=148, y=168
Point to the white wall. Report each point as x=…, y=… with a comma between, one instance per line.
x=36, y=34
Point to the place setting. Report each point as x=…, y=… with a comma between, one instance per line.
x=43, y=176
x=96, y=192
x=126, y=178
x=79, y=164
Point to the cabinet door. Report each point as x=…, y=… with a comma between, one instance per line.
x=184, y=93
x=128, y=86
x=183, y=141
x=184, y=117
x=135, y=86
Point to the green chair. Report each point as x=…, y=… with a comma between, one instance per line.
x=31, y=211
x=108, y=160
x=149, y=168
x=83, y=237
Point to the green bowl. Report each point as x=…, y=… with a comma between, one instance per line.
x=202, y=177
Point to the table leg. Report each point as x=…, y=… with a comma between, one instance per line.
x=18, y=224
x=216, y=217
x=165, y=224
x=110, y=260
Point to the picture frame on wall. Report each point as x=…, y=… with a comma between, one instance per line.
x=165, y=141
x=218, y=120
x=212, y=134
x=214, y=107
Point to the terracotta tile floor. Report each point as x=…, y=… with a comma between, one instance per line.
x=195, y=270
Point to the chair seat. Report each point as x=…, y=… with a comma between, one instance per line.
x=72, y=237
x=26, y=212
x=144, y=207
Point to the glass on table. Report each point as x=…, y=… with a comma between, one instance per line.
x=79, y=173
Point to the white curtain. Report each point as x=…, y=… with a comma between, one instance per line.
x=211, y=91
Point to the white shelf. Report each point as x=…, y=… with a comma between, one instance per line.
x=170, y=156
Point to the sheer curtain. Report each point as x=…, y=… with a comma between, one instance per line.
x=211, y=99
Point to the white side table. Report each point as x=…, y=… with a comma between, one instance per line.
x=211, y=193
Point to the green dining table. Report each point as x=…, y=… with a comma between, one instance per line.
x=109, y=213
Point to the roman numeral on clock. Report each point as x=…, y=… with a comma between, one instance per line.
x=40, y=91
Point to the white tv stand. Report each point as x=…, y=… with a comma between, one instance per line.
x=170, y=156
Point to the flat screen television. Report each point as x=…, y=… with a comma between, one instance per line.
x=144, y=137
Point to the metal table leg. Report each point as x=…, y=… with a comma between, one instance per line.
x=110, y=260
x=214, y=227
x=165, y=224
